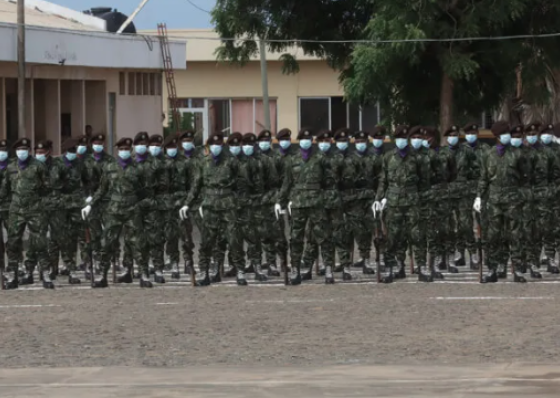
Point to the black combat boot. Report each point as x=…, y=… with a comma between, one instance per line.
x=329, y=276
x=502, y=271
x=359, y=264
x=240, y=279
x=518, y=275
x=64, y=270
x=346, y=274
x=175, y=274
x=490, y=277
x=434, y=272
x=367, y=268
x=453, y=263
x=159, y=278
x=551, y=266
x=273, y=269
x=145, y=280
x=535, y=274
x=389, y=278
x=401, y=273
x=101, y=282
x=295, y=278
x=73, y=279
x=250, y=269
x=11, y=282
x=460, y=261
x=308, y=274
x=474, y=260
x=125, y=277
x=424, y=276
x=26, y=278
x=442, y=263
x=47, y=282
x=215, y=276
x=189, y=266
x=203, y=279
x=259, y=274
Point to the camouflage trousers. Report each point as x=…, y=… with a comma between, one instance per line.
x=437, y=228
x=539, y=224
x=340, y=239
x=359, y=224
x=217, y=223
x=37, y=224
x=154, y=231
x=461, y=224
x=279, y=245
x=95, y=222
x=503, y=233
x=552, y=247
x=403, y=229
x=322, y=234
x=417, y=238
x=3, y=225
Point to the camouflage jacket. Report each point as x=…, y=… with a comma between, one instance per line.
x=468, y=170
x=443, y=172
x=157, y=184
x=304, y=180
x=406, y=173
x=502, y=177
x=271, y=179
x=250, y=181
x=373, y=171
x=347, y=171
x=424, y=191
x=332, y=186
x=122, y=184
x=480, y=149
x=68, y=179
x=28, y=184
x=215, y=183
x=188, y=168
x=544, y=170
x=94, y=167
x=5, y=194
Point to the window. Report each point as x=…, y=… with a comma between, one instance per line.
x=219, y=116
x=314, y=113
x=338, y=113
x=159, y=87
x=146, y=83
x=131, y=83
x=153, y=83
x=138, y=83
x=122, y=83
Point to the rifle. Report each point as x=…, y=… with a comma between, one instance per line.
x=377, y=244
x=480, y=265
x=90, y=255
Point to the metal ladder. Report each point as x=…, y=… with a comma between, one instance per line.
x=169, y=76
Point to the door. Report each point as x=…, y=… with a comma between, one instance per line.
x=195, y=119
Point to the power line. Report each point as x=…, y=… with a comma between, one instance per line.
x=198, y=7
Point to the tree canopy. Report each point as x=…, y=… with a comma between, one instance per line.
x=435, y=81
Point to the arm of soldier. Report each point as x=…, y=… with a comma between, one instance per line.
x=102, y=190
x=383, y=183
x=284, y=194
x=57, y=177
x=196, y=183
x=272, y=179
x=484, y=177
x=452, y=165
x=425, y=173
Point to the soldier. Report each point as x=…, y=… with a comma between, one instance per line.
x=122, y=183
x=405, y=174
x=375, y=167
x=83, y=149
x=5, y=199
x=304, y=180
x=216, y=185
x=504, y=173
x=28, y=183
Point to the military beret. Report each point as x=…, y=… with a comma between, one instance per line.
x=82, y=140
x=22, y=142
x=378, y=132
x=500, y=127
x=156, y=139
x=546, y=127
x=360, y=135
x=69, y=143
x=402, y=131
x=342, y=134
x=98, y=137
x=249, y=138
x=3, y=143
x=235, y=139
x=452, y=129
x=557, y=130
x=186, y=134
x=265, y=135
x=141, y=136
x=43, y=144
x=324, y=135
x=471, y=127
x=305, y=134
x=532, y=127
x=518, y=129
x=170, y=141
x=283, y=134
x=417, y=130
x=124, y=142
x=216, y=138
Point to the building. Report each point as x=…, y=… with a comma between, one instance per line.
x=79, y=74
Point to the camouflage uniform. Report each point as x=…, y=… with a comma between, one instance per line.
x=5, y=199
x=419, y=239
x=552, y=248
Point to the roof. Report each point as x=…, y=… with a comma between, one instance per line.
x=42, y=13
x=202, y=44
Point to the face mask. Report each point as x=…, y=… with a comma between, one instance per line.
x=342, y=146
x=546, y=139
x=155, y=150
x=377, y=143
x=505, y=139
x=516, y=142
x=532, y=139
x=401, y=143
x=264, y=145
x=235, y=150
x=71, y=156
x=305, y=144
x=216, y=149
x=453, y=140
x=41, y=157
x=324, y=146
x=3, y=156
x=171, y=152
x=425, y=143
x=81, y=149
x=187, y=146
x=471, y=138
x=124, y=154
x=416, y=142
x=361, y=146
x=140, y=149
x=97, y=148
x=285, y=144
x=22, y=154
x=248, y=149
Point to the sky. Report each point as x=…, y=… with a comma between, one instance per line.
x=176, y=14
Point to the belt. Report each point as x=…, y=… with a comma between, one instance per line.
x=218, y=191
x=124, y=199
x=406, y=189
x=307, y=187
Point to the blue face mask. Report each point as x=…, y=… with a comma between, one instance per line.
x=81, y=149
x=41, y=157
x=377, y=143
x=453, y=140
x=516, y=142
x=171, y=152
x=285, y=144
x=305, y=144
x=505, y=139
x=361, y=146
x=216, y=149
x=248, y=149
x=71, y=156
x=401, y=143
x=425, y=143
x=155, y=150
x=342, y=145
x=471, y=138
x=532, y=139
x=235, y=150
x=97, y=148
x=3, y=156
x=546, y=139
x=324, y=146
x=22, y=154
x=416, y=143
x=188, y=146
x=124, y=154
x=264, y=145
x=140, y=149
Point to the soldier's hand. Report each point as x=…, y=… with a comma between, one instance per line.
x=85, y=212
x=477, y=205
x=183, y=212
x=277, y=210
x=88, y=200
x=383, y=204
x=290, y=208
x=201, y=212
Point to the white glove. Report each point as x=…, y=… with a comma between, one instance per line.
x=183, y=215
x=88, y=200
x=477, y=205
x=277, y=210
x=85, y=212
x=290, y=208
x=383, y=204
x=374, y=207
x=200, y=212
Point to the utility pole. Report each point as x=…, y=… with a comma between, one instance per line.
x=264, y=80
x=21, y=67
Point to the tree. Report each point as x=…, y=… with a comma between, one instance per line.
x=415, y=81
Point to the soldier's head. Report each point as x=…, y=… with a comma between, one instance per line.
x=234, y=142
x=324, y=139
x=501, y=131
x=360, y=141
x=452, y=134
x=4, y=150
x=431, y=137
x=249, y=142
x=341, y=137
x=532, y=133
x=284, y=138
x=416, y=135
x=155, y=142
x=471, y=132
x=546, y=133
x=170, y=145
x=70, y=148
x=216, y=143
x=402, y=133
x=517, y=136
x=187, y=140
x=124, y=147
x=43, y=150
x=305, y=137
x=264, y=137
x=378, y=135
x=97, y=143
x=82, y=144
